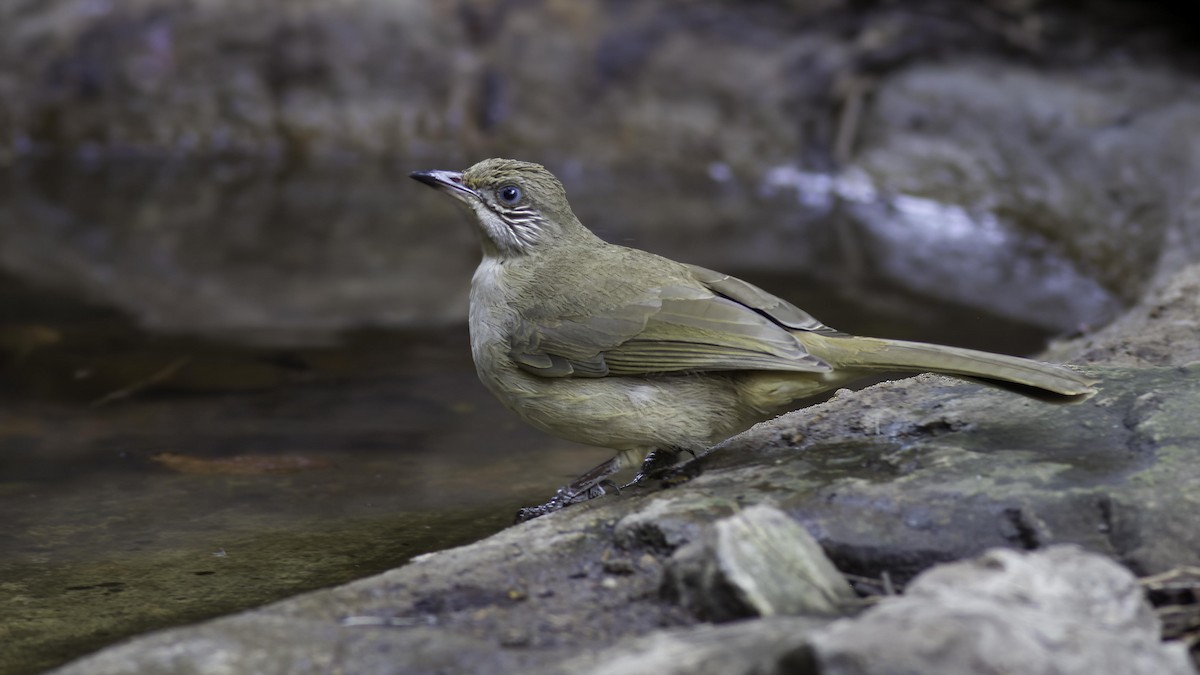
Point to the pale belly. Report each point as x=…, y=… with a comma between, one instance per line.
x=625, y=413
x=689, y=412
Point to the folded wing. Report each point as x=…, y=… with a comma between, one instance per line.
x=672, y=329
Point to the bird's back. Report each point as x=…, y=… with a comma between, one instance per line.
x=604, y=277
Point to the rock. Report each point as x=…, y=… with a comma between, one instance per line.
x=758, y=562
x=671, y=521
x=1159, y=331
x=527, y=597
x=684, y=123
x=769, y=646
x=944, y=135
x=924, y=470
x=1058, y=611
x=899, y=476
x=949, y=191
x=945, y=171
x=241, y=250
x=269, y=644
x=709, y=81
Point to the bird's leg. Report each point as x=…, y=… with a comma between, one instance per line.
x=658, y=461
x=588, y=486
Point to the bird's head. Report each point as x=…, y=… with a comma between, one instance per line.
x=520, y=207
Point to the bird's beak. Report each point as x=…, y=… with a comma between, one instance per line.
x=450, y=182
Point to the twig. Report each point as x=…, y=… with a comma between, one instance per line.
x=159, y=376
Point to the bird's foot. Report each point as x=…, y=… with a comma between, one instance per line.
x=658, y=464
x=594, y=483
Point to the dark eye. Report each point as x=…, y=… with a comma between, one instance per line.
x=509, y=194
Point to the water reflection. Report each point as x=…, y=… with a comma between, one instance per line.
x=221, y=386
x=236, y=249
x=246, y=475
x=283, y=255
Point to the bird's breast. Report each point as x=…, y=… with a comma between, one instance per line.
x=491, y=319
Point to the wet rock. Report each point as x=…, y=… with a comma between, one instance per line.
x=265, y=644
x=725, y=81
x=1159, y=331
x=899, y=476
x=529, y=596
x=758, y=562
x=1058, y=611
x=272, y=257
x=1059, y=157
x=950, y=192
x=771, y=646
x=671, y=521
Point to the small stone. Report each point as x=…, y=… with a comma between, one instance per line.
x=759, y=562
x=514, y=637
x=621, y=566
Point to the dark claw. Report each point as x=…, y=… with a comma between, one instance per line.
x=527, y=513
x=607, y=483
x=657, y=462
x=561, y=499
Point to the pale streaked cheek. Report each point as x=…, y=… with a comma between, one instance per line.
x=494, y=228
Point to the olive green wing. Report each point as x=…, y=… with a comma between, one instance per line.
x=668, y=330
x=777, y=309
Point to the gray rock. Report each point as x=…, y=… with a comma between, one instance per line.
x=770, y=646
x=758, y=562
x=1081, y=177
x=1054, y=156
x=272, y=644
x=899, y=476
x=1161, y=330
x=526, y=597
x=1059, y=611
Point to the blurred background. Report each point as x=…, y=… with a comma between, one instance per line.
x=233, y=355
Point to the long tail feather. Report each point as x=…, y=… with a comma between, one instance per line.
x=996, y=369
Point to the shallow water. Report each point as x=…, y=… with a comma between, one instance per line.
x=218, y=392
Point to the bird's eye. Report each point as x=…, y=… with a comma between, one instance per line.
x=509, y=194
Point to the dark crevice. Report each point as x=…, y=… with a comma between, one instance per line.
x=1023, y=531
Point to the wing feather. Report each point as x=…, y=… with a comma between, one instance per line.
x=670, y=330
x=749, y=295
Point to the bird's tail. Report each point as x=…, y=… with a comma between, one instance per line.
x=1010, y=372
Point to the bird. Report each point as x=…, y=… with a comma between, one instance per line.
x=621, y=348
